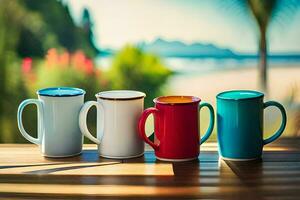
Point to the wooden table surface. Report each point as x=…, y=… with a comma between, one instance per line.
x=24, y=173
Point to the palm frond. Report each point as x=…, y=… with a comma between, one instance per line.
x=238, y=8
x=284, y=11
x=264, y=12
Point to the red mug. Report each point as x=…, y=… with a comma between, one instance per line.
x=176, y=127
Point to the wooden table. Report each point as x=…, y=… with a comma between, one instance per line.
x=24, y=173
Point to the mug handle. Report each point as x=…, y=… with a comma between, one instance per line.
x=211, y=121
x=141, y=126
x=83, y=116
x=283, y=123
x=39, y=106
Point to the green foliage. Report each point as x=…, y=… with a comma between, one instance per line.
x=11, y=14
x=60, y=69
x=30, y=28
x=87, y=31
x=136, y=70
x=50, y=25
x=56, y=77
x=13, y=96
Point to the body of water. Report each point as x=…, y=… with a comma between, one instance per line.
x=198, y=66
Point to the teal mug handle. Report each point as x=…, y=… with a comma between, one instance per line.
x=278, y=133
x=211, y=121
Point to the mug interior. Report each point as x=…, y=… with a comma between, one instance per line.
x=120, y=95
x=176, y=99
x=239, y=94
x=61, y=92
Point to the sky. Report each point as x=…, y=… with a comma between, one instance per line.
x=120, y=22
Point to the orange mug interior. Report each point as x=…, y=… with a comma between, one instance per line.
x=176, y=99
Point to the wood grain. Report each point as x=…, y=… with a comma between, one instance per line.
x=25, y=174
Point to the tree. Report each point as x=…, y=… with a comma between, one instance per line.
x=263, y=12
x=59, y=30
x=12, y=19
x=87, y=26
x=28, y=28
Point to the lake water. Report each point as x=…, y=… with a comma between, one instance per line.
x=198, y=66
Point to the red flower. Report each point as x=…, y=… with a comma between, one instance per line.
x=51, y=58
x=26, y=65
x=89, y=66
x=64, y=59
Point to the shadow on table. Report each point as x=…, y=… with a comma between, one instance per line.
x=276, y=175
x=29, y=165
x=61, y=169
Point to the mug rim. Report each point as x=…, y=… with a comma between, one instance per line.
x=139, y=95
x=257, y=93
x=194, y=99
x=78, y=90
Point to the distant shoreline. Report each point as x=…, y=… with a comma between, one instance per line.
x=176, y=48
x=236, y=56
x=195, y=66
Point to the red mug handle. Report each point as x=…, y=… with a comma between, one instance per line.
x=142, y=122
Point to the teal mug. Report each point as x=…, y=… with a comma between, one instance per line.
x=240, y=124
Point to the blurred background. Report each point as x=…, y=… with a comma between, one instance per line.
x=159, y=47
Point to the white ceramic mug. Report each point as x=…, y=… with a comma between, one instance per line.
x=58, y=128
x=118, y=112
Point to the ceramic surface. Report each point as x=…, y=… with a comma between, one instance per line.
x=117, y=117
x=176, y=127
x=58, y=128
x=240, y=124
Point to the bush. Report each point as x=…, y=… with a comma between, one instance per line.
x=62, y=69
x=13, y=95
x=131, y=69
x=71, y=70
x=135, y=70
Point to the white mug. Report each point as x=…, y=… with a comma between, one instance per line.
x=58, y=128
x=117, y=118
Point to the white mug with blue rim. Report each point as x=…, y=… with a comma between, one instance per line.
x=58, y=108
